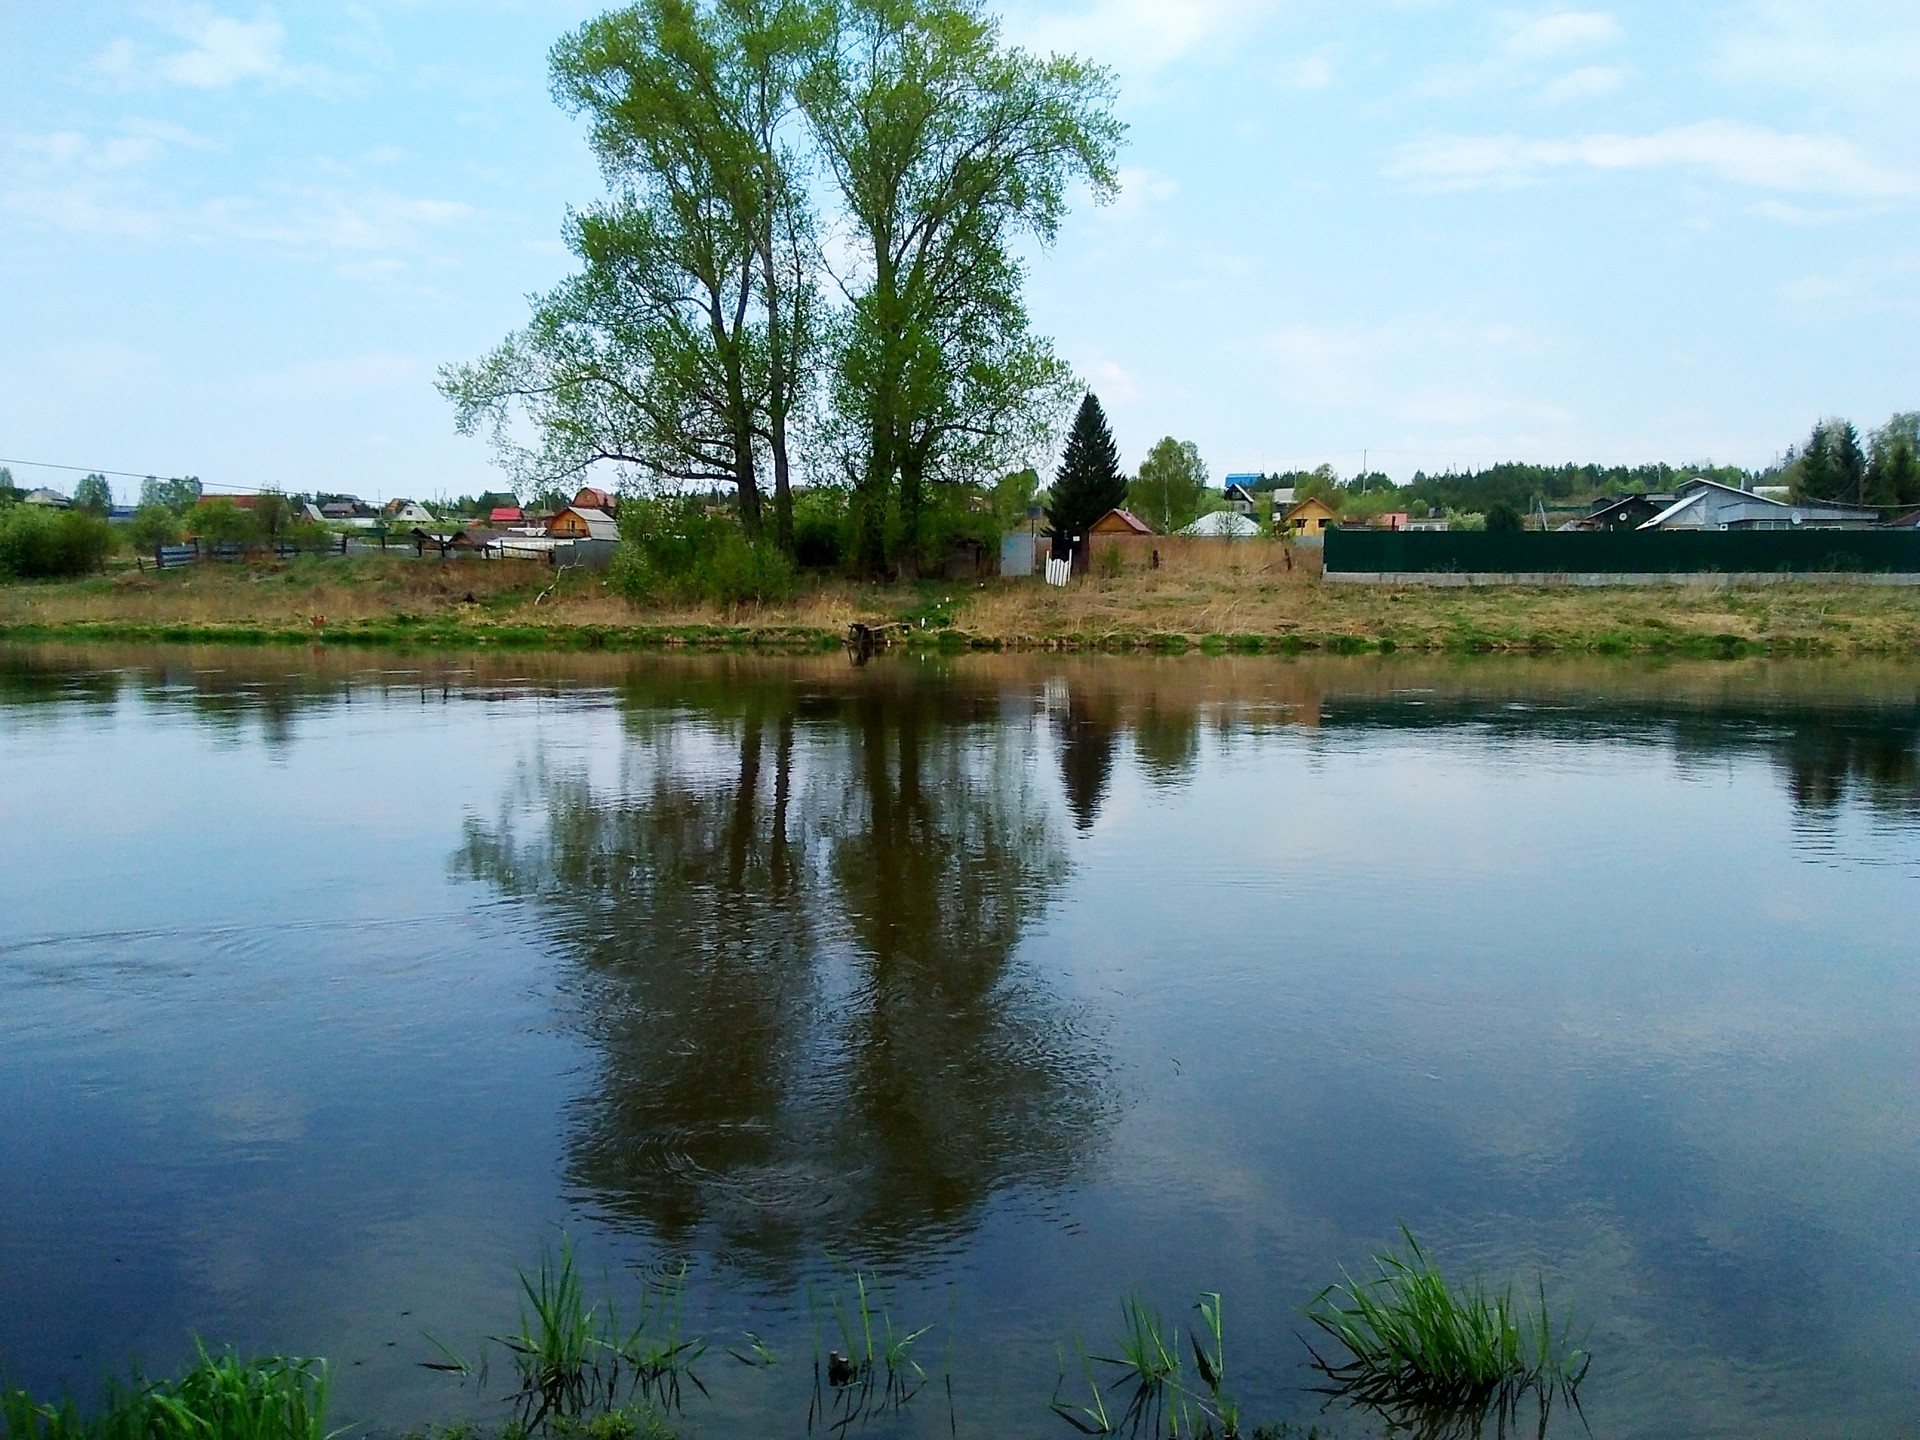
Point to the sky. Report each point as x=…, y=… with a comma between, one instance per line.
x=238, y=240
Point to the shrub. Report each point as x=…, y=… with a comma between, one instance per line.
x=680, y=547
x=1502, y=516
x=152, y=526
x=820, y=529
x=37, y=542
x=218, y=520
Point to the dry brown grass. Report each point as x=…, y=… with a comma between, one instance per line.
x=1190, y=599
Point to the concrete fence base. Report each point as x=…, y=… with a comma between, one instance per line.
x=1552, y=580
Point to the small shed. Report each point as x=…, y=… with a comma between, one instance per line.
x=1120, y=522
x=1310, y=517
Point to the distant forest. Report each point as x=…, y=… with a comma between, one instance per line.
x=1833, y=463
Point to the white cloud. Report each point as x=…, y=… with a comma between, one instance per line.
x=1587, y=83
x=76, y=185
x=349, y=376
x=1348, y=365
x=1552, y=36
x=1140, y=189
x=1522, y=54
x=1740, y=153
x=1310, y=72
x=1136, y=36
x=222, y=50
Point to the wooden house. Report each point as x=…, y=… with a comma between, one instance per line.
x=1310, y=518
x=576, y=523
x=1120, y=522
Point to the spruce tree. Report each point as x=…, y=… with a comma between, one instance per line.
x=1089, y=482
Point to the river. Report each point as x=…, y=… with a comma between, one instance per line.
x=334, y=987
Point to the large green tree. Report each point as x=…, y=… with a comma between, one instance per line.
x=94, y=495
x=1089, y=482
x=1172, y=481
x=681, y=345
x=946, y=149
x=1893, y=461
x=1831, y=466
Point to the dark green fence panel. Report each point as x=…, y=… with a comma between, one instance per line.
x=1628, y=552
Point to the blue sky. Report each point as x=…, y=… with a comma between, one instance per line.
x=237, y=240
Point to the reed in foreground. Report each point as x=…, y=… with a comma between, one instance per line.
x=1442, y=1360
x=222, y=1397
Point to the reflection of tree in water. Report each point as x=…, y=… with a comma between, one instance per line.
x=1088, y=728
x=1825, y=763
x=797, y=972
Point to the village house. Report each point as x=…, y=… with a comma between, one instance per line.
x=578, y=523
x=1307, y=520
x=1702, y=504
x=1120, y=522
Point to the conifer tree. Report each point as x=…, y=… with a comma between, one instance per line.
x=1089, y=482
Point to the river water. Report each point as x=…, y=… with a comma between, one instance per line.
x=333, y=988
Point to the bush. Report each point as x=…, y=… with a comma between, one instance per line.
x=1502, y=516
x=679, y=547
x=151, y=527
x=36, y=542
x=215, y=521
x=820, y=529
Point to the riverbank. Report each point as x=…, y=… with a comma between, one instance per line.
x=406, y=602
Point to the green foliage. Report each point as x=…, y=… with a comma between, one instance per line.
x=179, y=495
x=1014, y=495
x=945, y=148
x=151, y=527
x=1502, y=516
x=685, y=547
x=220, y=521
x=221, y=1398
x=1168, y=491
x=1466, y=520
x=1893, y=461
x=1831, y=466
x=1420, y=1351
x=94, y=495
x=681, y=346
x=1089, y=482
x=37, y=542
x=1149, y=1371
x=821, y=526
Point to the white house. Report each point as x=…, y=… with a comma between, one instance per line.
x=1224, y=524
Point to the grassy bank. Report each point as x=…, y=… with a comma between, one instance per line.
x=1408, y=1348
x=1254, y=609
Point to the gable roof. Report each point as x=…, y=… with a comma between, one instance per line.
x=1132, y=522
x=600, y=525
x=1310, y=500
x=1695, y=492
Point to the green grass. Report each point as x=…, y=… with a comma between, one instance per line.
x=1148, y=1374
x=222, y=1397
x=1437, y=1358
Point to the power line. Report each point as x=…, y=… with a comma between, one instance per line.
x=117, y=474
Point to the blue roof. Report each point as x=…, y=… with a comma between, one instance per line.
x=1247, y=480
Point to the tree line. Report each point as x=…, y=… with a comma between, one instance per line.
x=1834, y=464
x=810, y=242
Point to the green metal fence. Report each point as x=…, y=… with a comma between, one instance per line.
x=1628, y=552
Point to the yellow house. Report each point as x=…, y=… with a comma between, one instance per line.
x=1310, y=517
